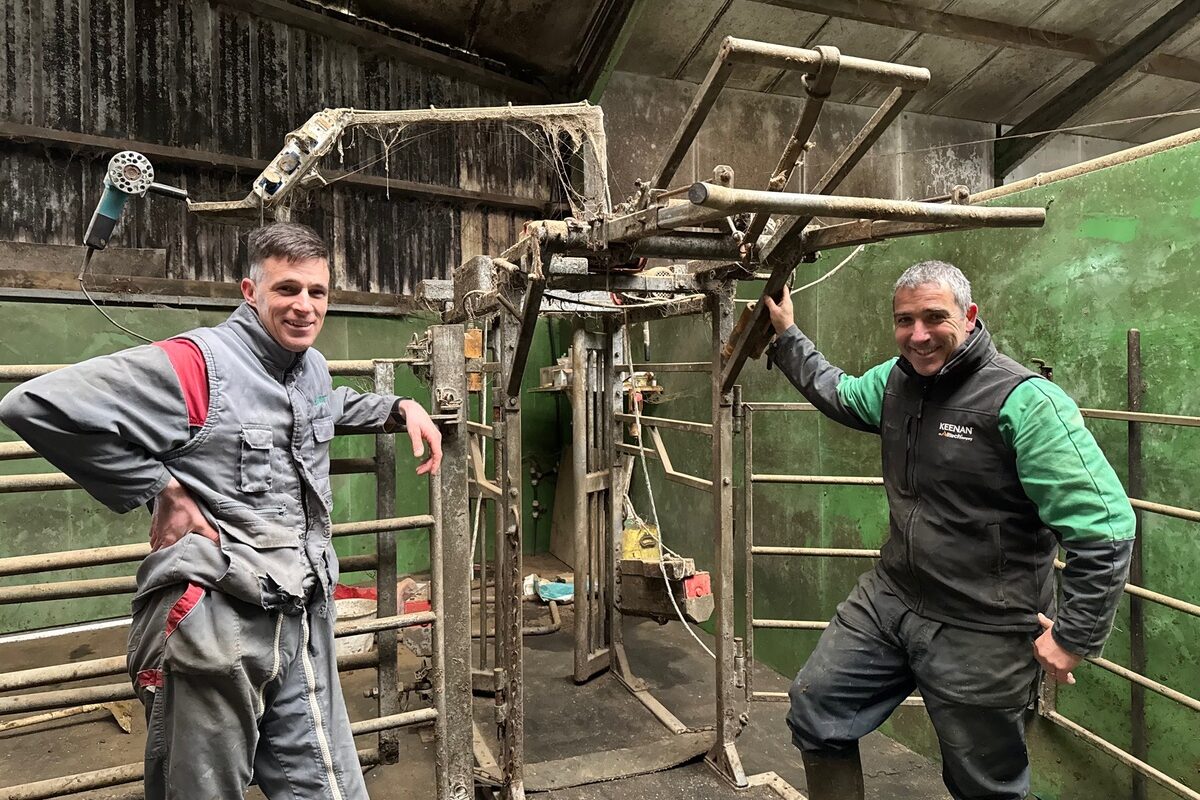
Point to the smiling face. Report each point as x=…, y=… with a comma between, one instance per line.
x=930, y=325
x=291, y=300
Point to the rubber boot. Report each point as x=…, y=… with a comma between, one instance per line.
x=833, y=777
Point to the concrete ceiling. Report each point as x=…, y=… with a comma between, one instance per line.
x=999, y=70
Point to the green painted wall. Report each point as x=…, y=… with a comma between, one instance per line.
x=1118, y=251
x=38, y=333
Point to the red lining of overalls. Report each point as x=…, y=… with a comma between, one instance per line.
x=149, y=677
x=184, y=606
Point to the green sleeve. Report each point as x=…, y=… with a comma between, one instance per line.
x=1061, y=467
x=864, y=395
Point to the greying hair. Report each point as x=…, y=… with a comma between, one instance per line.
x=289, y=241
x=928, y=272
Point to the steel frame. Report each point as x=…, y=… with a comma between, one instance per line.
x=450, y=594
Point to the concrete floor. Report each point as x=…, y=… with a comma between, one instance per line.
x=562, y=720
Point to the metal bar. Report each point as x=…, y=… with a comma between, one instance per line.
x=1142, y=682
x=480, y=428
x=748, y=536
x=694, y=117
x=582, y=562
x=832, y=480
x=673, y=366
x=673, y=474
x=132, y=773
x=1017, y=144
x=818, y=92
x=450, y=565
x=1139, y=416
x=791, y=624
x=779, y=406
x=509, y=530
x=43, y=701
x=787, y=247
x=70, y=559
x=382, y=624
x=663, y=422
x=393, y=721
x=1154, y=597
x=1125, y=758
x=64, y=590
x=776, y=56
x=782, y=697
x=119, y=554
x=39, y=482
x=849, y=234
x=711, y=202
x=1165, y=510
x=987, y=31
x=824, y=552
x=536, y=279
x=351, y=466
x=384, y=374
x=1136, y=390
x=723, y=756
x=10, y=451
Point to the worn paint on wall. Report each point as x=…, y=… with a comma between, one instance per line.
x=1118, y=251
x=62, y=520
x=204, y=76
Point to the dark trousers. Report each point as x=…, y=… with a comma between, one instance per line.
x=977, y=687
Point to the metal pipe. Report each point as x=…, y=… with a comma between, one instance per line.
x=14, y=450
x=15, y=373
x=116, y=665
x=1154, y=597
x=783, y=697
x=1141, y=681
x=830, y=480
x=385, y=623
x=65, y=590
x=673, y=366
x=1125, y=758
x=130, y=773
x=791, y=624
x=826, y=552
x=777, y=56
x=1084, y=167
x=1132, y=416
x=393, y=721
x=119, y=554
x=1136, y=389
x=663, y=422
x=1165, y=510
x=38, y=482
x=711, y=201
x=780, y=406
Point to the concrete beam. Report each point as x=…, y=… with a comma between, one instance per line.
x=986, y=31
x=605, y=38
x=1017, y=144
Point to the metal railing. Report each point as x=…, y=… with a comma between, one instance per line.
x=383, y=657
x=1047, y=707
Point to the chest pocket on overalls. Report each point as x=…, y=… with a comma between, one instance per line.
x=255, y=472
x=322, y=429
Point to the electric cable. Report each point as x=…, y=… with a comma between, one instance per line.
x=87, y=260
x=650, y=493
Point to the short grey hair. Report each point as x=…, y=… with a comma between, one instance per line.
x=289, y=241
x=940, y=272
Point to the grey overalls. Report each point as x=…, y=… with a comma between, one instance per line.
x=231, y=647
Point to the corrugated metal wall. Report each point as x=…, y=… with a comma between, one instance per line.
x=209, y=77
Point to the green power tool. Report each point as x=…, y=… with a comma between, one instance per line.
x=129, y=175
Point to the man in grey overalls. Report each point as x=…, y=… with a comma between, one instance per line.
x=224, y=433
x=988, y=469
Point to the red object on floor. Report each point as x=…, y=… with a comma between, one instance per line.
x=342, y=592
x=699, y=585
x=413, y=606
